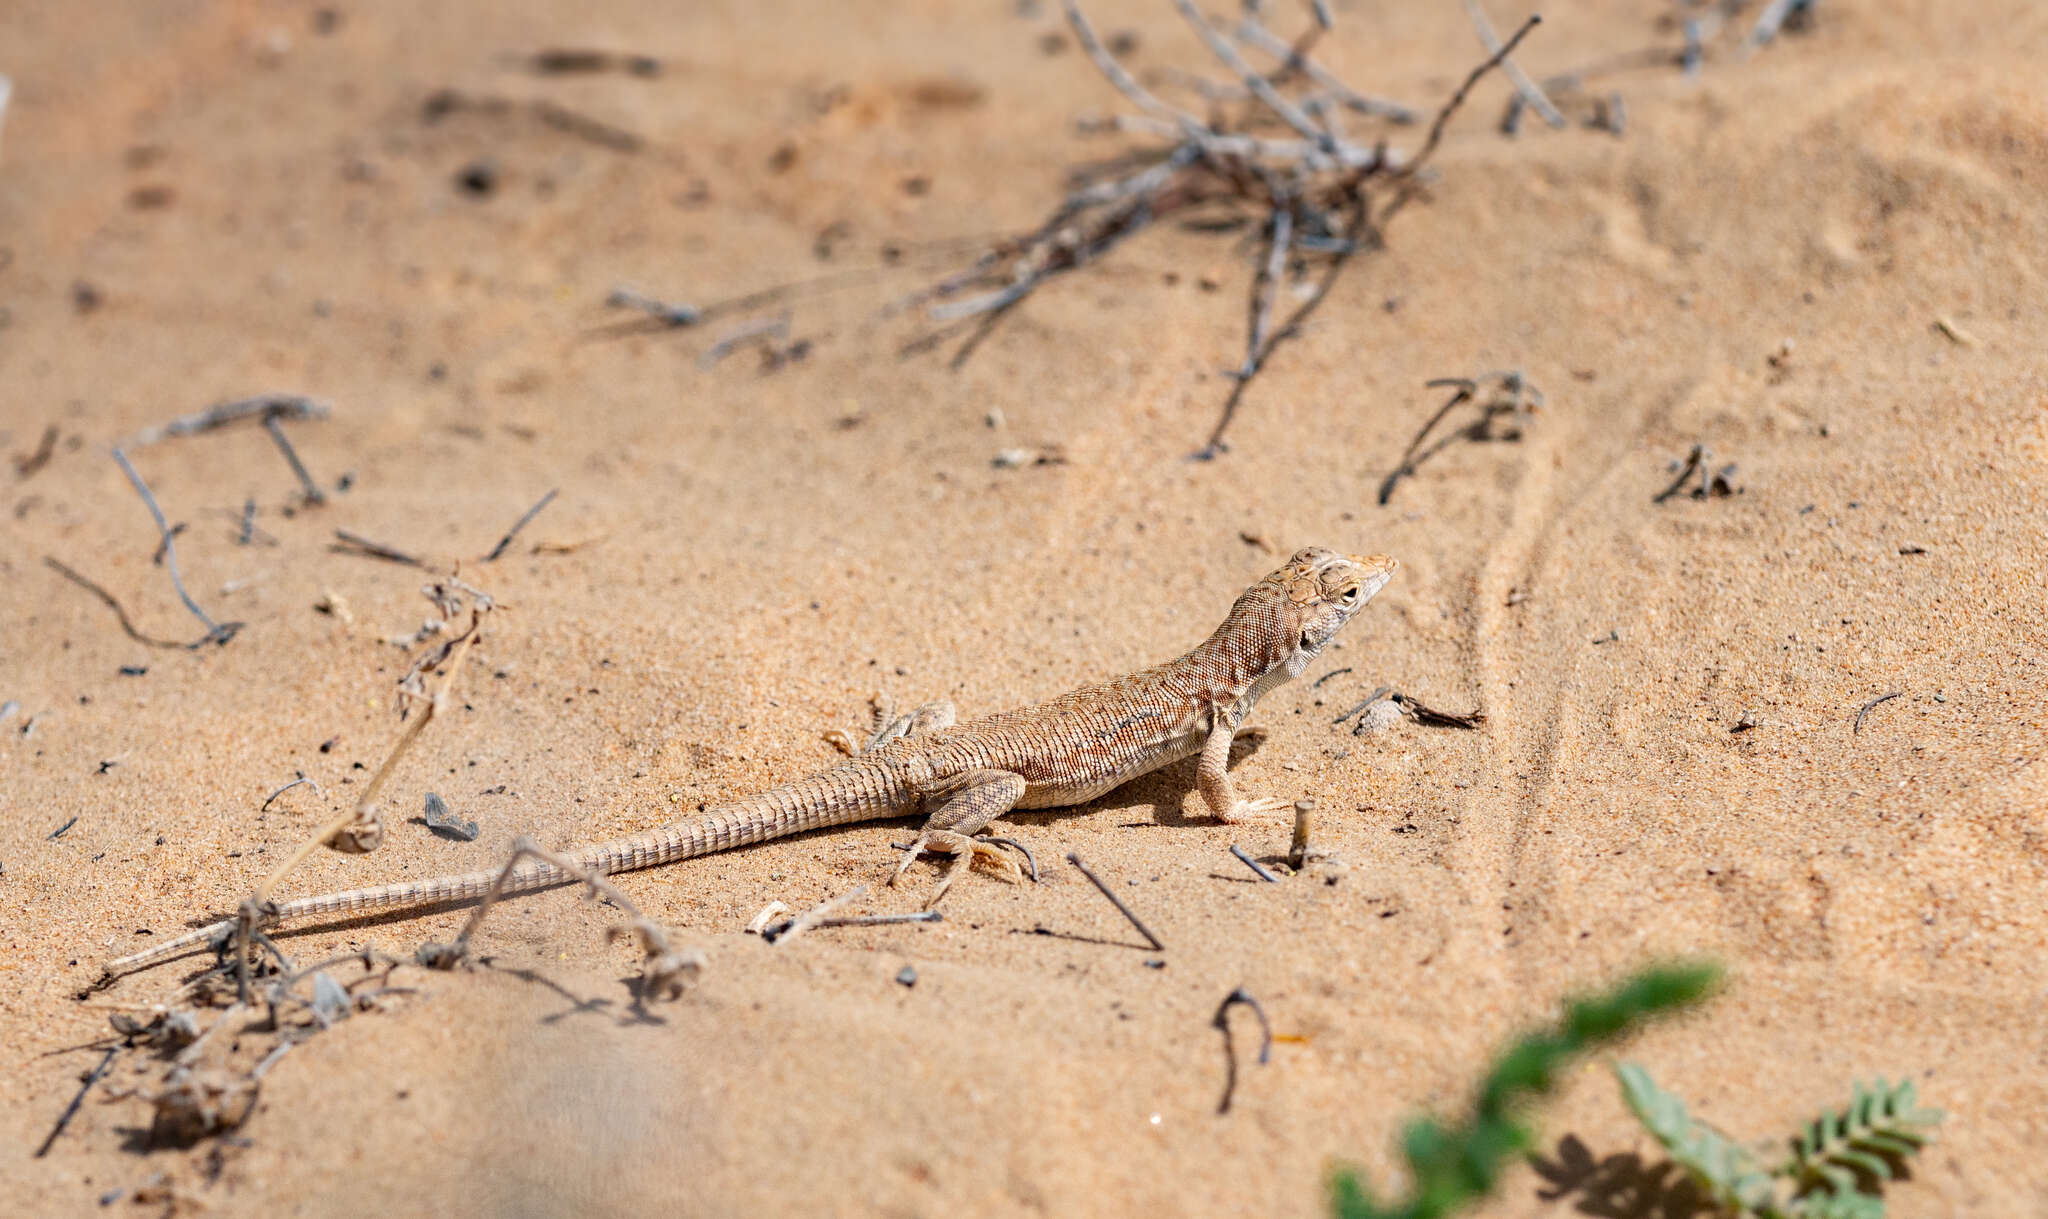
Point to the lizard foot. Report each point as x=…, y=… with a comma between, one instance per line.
x=1247, y=810
x=928, y=718
x=967, y=852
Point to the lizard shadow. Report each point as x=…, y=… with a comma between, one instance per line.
x=1620, y=1186
x=1165, y=790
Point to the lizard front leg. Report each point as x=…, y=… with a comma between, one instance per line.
x=968, y=801
x=1212, y=775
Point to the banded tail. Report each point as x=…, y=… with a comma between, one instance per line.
x=860, y=790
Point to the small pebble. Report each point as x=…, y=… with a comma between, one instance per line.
x=907, y=975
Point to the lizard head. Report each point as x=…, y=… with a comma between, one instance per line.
x=1317, y=592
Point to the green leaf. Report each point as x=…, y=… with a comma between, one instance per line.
x=1838, y=1151
x=1455, y=1164
x=1349, y=1199
x=1724, y=1168
x=1838, y=1206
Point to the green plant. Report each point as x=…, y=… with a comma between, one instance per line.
x=1451, y=1166
x=1836, y=1165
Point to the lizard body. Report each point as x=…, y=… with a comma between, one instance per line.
x=1064, y=752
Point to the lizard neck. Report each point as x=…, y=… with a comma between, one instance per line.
x=1250, y=654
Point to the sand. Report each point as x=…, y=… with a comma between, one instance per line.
x=738, y=559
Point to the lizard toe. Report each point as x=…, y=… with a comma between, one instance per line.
x=1248, y=810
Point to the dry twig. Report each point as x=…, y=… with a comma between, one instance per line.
x=519, y=524
x=216, y=632
x=665, y=972
x=1514, y=402
x=1257, y=869
x=1857, y=728
x=71, y=1110
x=1309, y=187
x=1530, y=93
x=1118, y=902
x=1222, y=1023
x=263, y=407
x=352, y=543
x=108, y=599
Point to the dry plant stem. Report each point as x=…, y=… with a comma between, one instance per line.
x=1695, y=462
x=522, y=849
x=660, y=311
x=263, y=406
x=1222, y=1024
x=108, y=599
x=1124, y=81
x=776, y=931
x=1467, y=389
x=1253, y=864
x=1443, y=116
x=353, y=543
x=1864, y=710
x=1303, y=845
x=251, y=916
x=1118, y=902
x=1526, y=88
x=1772, y=19
x=268, y=800
x=284, y=445
x=663, y=971
x=520, y=524
x=1260, y=87
x=1250, y=31
x=1279, y=236
x=215, y=632
x=812, y=917
x=1374, y=697
x=45, y=449
x=745, y=332
x=71, y=1110
x=1354, y=234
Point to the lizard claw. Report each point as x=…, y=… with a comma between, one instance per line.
x=1246, y=810
x=967, y=852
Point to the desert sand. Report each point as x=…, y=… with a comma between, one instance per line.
x=1824, y=260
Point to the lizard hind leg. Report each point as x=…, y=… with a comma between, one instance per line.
x=926, y=718
x=967, y=802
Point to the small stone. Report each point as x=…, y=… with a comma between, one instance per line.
x=907, y=975
x=1379, y=717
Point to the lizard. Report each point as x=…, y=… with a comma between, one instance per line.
x=1065, y=752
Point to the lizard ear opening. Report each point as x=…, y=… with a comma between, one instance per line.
x=1306, y=643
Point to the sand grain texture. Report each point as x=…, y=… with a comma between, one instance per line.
x=260, y=206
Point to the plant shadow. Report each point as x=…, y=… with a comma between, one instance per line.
x=1620, y=1186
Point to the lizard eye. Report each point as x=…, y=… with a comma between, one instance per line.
x=1351, y=594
